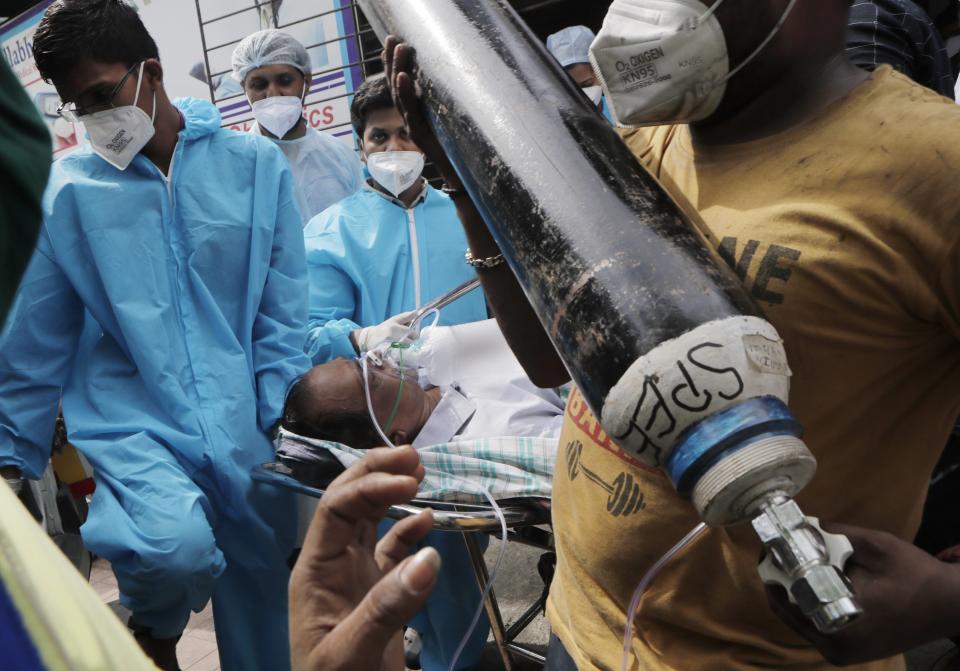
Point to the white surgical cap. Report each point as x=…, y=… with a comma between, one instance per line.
x=268, y=47
x=571, y=45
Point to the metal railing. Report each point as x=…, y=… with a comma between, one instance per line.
x=359, y=41
x=234, y=106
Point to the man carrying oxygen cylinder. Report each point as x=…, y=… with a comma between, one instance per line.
x=832, y=194
x=175, y=247
x=274, y=69
x=373, y=259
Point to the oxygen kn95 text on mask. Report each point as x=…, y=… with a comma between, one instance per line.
x=665, y=61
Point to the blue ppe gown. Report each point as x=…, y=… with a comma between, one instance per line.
x=325, y=170
x=191, y=296
x=369, y=258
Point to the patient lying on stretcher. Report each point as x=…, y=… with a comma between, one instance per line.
x=459, y=395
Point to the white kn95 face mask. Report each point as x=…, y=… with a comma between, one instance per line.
x=395, y=171
x=665, y=61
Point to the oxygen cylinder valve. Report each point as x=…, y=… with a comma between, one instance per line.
x=806, y=561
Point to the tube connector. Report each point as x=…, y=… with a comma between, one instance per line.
x=808, y=562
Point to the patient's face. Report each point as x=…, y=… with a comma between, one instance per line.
x=331, y=404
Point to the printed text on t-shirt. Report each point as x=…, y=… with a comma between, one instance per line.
x=776, y=266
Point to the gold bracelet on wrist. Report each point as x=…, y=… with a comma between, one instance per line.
x=483, y=264
x=452, y=191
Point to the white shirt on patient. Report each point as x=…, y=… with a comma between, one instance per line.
x=486, y=392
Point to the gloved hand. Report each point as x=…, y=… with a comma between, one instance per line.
x=395, y=329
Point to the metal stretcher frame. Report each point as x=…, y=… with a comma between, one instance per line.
x=466, y=519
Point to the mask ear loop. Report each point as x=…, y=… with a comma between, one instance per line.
x=763, y=45
x=704, y=89
x=153, y=112
x=749, y=59
x=707, y=14
x=139, y=81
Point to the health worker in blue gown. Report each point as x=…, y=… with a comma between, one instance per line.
x=372, y=259
x=378, y=255
x=178, y=245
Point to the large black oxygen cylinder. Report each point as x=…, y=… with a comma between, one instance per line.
x=612, y=267
x=657, y=332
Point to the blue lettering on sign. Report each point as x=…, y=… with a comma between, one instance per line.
x=20, y=52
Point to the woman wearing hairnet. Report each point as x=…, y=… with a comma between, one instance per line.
x=274, y=69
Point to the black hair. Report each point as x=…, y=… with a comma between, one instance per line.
x=352, y=429
x=106, y=31
x=373, y=94
x=355, y=430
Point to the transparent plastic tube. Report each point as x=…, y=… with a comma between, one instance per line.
x=366, y=393
x=493, y=573
x=366, y=377
x=648, y=577
x=486, y=493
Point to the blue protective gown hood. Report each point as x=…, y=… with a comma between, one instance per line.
x=200, y=118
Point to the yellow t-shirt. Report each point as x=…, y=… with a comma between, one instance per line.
x=845, y=231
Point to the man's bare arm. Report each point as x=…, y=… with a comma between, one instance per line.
x=516, y=317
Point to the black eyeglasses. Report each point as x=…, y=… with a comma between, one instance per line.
x=72, y=111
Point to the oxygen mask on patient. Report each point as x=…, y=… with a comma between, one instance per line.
x=402, y=359
x=425, y=358
x=401, y=355
x=423, y=351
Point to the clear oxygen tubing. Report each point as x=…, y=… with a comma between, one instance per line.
x=648, y=577
x=486, y=493
x=373, y=354
x=493, y=573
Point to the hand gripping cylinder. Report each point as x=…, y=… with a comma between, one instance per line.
x=659, y=334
